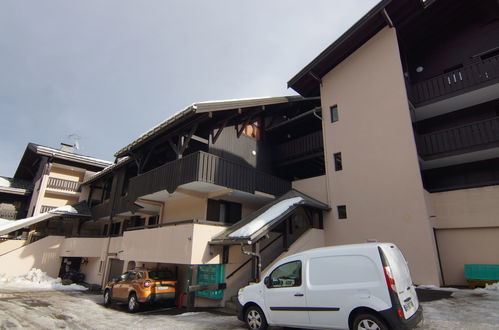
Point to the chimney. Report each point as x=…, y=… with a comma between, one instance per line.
x=67, y=147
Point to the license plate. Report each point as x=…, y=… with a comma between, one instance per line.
x=408, y=306
x=162, y=287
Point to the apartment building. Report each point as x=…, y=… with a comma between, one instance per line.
x=394, y=137
x=45, y=180
x=410, y=107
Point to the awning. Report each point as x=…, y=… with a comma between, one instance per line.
x=254, y=226
x=79, y=209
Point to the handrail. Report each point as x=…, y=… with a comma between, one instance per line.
x=247, y=261
x=181, y=222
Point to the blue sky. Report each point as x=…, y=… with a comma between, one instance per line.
x=108, y=70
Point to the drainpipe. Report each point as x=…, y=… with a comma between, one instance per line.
x=256, y=255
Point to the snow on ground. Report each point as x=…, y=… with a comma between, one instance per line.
x=35, y=279
x=466, y=309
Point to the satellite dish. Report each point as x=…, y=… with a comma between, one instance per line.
x=76, y=139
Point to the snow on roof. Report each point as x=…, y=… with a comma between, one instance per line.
x=7, y=226
x=265, y=218
x=13, y=183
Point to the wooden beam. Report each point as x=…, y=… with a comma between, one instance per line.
x=187, y=138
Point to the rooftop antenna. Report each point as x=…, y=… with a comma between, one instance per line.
x=76, y=139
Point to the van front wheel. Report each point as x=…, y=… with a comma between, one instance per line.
x=255, y=319
x=368, y=322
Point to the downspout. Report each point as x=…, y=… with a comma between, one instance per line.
x=257, y=256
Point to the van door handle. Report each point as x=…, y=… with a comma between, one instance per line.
x=298, y=294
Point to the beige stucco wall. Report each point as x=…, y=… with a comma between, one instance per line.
x=185, y=208
x=458, y=247
x=476, y=207
x=57, y=171
x=10, y=244
x=42, y=254
x=82, y=247
x=91, y=271
x=182, y=244
x=314, y=187
x=380, y=183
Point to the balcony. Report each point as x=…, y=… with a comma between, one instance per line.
x=101, y=210
x=189, y=238
x=472, y=137
x=90, y=247
x=305, y=147
x=479, y=74
x=8, y=214
x=207, y=168
x=46, y=208
x=64, y=185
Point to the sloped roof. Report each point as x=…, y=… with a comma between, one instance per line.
x=79, y=209
x=204, y=107
x=15, y=186
x=252, y=227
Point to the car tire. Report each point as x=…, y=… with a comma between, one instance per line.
x=255, y=319
x=107, y=298
x=133, y=303
x=367, y=321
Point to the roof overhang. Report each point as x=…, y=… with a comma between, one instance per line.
x=386, y=13
x=253, y=227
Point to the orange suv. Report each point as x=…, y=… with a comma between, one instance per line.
x=140, y=286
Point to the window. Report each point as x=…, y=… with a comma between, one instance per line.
x=153, y=220
x=223, y=211
x=287, y=275
x=342, y=211
x=334, y=113
x=115, y=228
x=338, y=164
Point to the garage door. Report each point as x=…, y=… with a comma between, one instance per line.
x=466, y=246
x=115, y=268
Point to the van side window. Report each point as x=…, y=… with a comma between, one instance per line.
x=287, y=275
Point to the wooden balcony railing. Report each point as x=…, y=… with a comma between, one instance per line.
x=296, y=148
x=46, y=208
x=472, y=136
x=205, y=167
x=61, y=184
x=8, y=214
x=469, y=76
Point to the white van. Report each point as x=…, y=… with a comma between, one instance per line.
x=360, y=286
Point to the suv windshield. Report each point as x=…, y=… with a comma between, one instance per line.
x=161, y=275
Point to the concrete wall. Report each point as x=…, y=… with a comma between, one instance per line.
x=180, y=244
x=42, y=254
x=314, y=187
x=82, y=247
x=10, y=245
x=185, y=209
x=380, y=183
x=476, y=207
x=458, y=247
x=91, y=271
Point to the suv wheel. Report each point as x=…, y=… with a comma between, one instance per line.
x=107, y=298
x=255, y=319
x=368, y=322
x=133, y=303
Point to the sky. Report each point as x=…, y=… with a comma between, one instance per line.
x=104, y=71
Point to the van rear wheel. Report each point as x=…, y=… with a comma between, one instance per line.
x=255, y=319
x=368, y=322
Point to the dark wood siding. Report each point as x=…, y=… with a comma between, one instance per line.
x=204, y=167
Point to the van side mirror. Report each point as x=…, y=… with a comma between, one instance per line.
x=266, y=281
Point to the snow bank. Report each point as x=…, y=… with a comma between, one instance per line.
x=35, y=279
x=266, y=217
